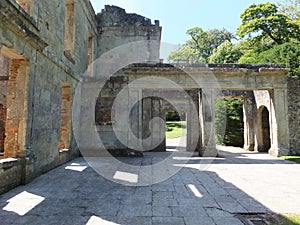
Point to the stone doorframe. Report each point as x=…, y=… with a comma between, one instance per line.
x=172, y=100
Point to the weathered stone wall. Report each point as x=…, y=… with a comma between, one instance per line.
x=119, y=28
x=294, y=114
x=113, y=16
x=54, y=42
x=10, y=174
x=264, y=103
x=34, y=32
x=104, y=114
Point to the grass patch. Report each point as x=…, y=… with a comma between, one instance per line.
x=292, y=158
x=288, y=219
x=175, y=129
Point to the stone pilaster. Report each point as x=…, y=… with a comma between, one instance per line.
x=249, y=112
x=280, y=105
x=208, y=147
x=194, y=137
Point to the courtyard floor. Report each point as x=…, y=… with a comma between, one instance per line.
x=236, y=188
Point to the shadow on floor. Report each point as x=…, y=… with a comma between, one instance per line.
x=74, y=194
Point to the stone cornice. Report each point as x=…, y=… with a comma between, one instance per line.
x=12, y=16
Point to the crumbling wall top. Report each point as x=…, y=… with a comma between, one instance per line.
x=113, y=16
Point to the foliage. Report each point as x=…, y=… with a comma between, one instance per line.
x=175, y=129
x=175, y=116
x=185, y=54
x=286, y=219
x=229, y=114
x=270, y=34
x=293, y=219
x=200, y=46
x=273, y=37
x=287, y=53
x=226, y=53
x=290, y=8
x=264, y=22
x=292, y=158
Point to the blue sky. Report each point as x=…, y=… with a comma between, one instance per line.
x=178, y=16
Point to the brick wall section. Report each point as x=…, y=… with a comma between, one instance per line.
x=12, y=148
x=65, y=125
x=294, y=114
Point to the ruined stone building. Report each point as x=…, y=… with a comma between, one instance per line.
x=46, y=47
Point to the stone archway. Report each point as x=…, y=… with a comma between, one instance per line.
x=263, y=134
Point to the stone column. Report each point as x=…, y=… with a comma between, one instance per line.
x=152, y=108
x=280, y=131
x=249, y=114
x=159, y=129
x=135, y=116
x=194, y=136
x=208, y=147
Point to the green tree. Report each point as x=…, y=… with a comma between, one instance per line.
x=287, y=53
x=226, y=53
x=271, y=35
x=185, y=54
x=229, y=114
x=200, y=46
x=264, y=21
x=290, y=8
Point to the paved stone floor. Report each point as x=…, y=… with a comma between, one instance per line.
x=234, y=185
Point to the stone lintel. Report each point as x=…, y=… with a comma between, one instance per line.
x=238, y=69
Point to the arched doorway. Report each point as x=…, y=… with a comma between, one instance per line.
x=264, y=138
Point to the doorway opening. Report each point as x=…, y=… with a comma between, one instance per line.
x=176, y=131
x=229, y=125
x=264, y=139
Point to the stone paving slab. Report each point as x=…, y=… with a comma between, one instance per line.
x=236, y=183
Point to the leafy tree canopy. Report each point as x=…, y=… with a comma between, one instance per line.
x=270, y=34
x=264, y=21
x=290, y=8
x=287, y=53
x=226, y=53
x=201, y=45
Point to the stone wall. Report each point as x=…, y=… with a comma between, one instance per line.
x=32, y=38
x=294, y=114
x=10, y=174
x=113, y=16
x=104, y=114
x=127, y=28
x=48, y=45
